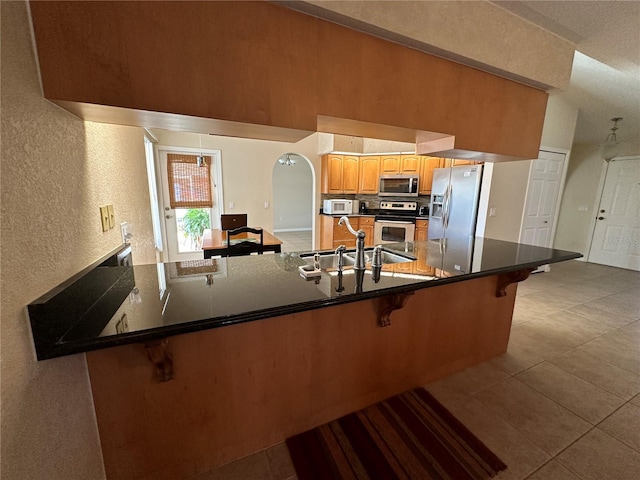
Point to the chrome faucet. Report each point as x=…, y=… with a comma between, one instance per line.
x=359, y=265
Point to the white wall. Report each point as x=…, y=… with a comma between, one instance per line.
x=292, y=196
x=56, y=172
x=509, y=180
x=247, y=168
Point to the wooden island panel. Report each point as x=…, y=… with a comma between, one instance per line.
x=242, y=388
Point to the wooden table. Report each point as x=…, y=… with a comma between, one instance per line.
x=214, y=242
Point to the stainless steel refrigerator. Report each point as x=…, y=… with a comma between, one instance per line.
x=453, y=212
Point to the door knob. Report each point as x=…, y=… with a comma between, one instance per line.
x=600, y=218
x=168, y=216
x=546, y=221
x=601, y=211
x=167, y=208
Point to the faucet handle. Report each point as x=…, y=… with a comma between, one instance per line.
x=376, y=261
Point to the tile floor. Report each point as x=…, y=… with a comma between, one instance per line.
x=299, y=241
x=563, y=403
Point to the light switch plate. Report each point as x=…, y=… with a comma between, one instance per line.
x=104, y=218
x=112, y=216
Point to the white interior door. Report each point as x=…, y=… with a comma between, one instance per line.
x=181, y=246
x=616, y=238
x=542, y=198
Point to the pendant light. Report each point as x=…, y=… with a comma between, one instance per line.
x=287, y=161
x=201, y=161
x=611, y=147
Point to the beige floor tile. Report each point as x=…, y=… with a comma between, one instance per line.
x=599, y=456
x=255, y=467
x=553, y=471
x=610, y=284
x=601, y=317
x=519, y=454
x=543, y=421
x=621, y=383
x=466, y=382
x=573, y=327
x=531, y=304
x=542, y=339
x=624, y=425
x=280, y=464
x=515, y=359
x=626, y=304
x=614, y=349
x=575, y=394
x=635, y=401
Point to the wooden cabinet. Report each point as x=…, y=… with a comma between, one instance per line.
x=369, y=175
x=390, y=164
x=428, y=165
x=333, y=235
x=366, y=224
x=331, y=173
x=410, y=164
x=422, y=228
x=350, y=170
x=340, y=173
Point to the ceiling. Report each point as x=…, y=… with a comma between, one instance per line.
x=605, y=78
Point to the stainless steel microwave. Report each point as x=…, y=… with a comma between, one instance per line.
x=398, y=186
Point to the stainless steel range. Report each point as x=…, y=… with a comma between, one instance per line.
x=395, y=222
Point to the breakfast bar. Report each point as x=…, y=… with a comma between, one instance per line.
x=232, y=355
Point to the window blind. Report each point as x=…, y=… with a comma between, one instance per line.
x=189, y=184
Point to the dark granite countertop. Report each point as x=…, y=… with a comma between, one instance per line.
x=110, y=305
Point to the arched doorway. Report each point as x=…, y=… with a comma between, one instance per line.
x=293, y=202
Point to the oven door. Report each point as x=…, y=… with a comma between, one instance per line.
x=393, y=231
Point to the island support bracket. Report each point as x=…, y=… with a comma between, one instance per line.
x=159, y=354
x=388, y=304
x=506, y=279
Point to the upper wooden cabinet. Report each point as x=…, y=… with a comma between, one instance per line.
x=331, y=174
x=390, y=164
x=340, y=173
x=427, y=166
x=350, y=171
x=410, y=164
x=369, y=175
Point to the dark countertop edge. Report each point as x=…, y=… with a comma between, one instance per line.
x=59, y=350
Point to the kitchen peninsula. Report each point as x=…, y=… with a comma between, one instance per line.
x=255, y=353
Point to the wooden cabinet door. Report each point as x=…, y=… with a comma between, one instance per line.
x=350, y=169
x=331, y=174
x=369, y=175
x=410, y=164
x=341, y=233
x=429, y=164
x=366, y=224
x=422, y=228
x=389, y=164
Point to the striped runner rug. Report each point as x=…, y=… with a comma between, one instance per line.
x=409, y=436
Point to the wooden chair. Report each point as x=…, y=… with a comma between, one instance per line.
x=229, y=221
x=244, y=245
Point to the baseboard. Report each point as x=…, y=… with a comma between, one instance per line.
x=292, y=230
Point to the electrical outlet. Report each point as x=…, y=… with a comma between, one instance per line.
x=104, y=218
x=492, y=212
x=266, y=204
x=112, y=216
x=232, y=205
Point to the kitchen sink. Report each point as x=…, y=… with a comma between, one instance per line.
x=327, y=259
x=388, y=256
x=330, y=259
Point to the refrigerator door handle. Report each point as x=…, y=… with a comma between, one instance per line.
x=447, y=201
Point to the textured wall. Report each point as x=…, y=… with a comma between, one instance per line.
x=56, y=171
x=460, y=29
